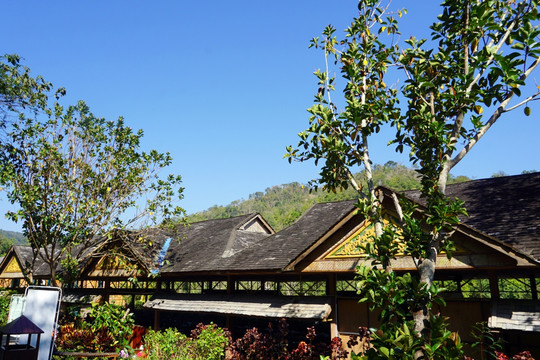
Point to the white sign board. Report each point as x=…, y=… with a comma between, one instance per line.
x=16, y=307
x=42, y=308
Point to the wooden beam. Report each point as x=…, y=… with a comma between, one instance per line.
x=107, y=290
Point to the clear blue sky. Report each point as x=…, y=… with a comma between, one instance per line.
x=222, y=85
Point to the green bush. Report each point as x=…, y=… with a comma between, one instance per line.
x=163, y=344
x=107, y=328
x=5, y=300
x=210, y=341
x=207, y=342
x=117, y=320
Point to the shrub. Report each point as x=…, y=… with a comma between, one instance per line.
x=210, y=341
x=114, y=319
x=207, y=342
x=5, y=300
x=163, y=344
x=274, y=345
x=106, y=329
x=71, y=338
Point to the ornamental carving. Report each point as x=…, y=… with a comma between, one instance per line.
x=353, y=246
x=113, y=263
x=13, y=267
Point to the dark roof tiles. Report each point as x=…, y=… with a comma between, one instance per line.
x=207, y=245
x=507, y=208
x=279, y=250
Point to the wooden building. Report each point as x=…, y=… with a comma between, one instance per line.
x=238, y=272
x=22, y=266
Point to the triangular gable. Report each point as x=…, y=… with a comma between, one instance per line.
x=114, y=259
x=12, y=268
x=257, y=224
x=352, y=246
x=12, y=265
x=114, y=265
x=238, y=241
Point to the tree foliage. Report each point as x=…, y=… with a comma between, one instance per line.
x=73, y=177
x=457, y=84
x=19, y=89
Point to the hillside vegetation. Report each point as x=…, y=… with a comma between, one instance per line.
x=281, y=205
x=8, y=238
x=17, y=237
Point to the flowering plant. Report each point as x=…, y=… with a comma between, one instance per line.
x=123, y=354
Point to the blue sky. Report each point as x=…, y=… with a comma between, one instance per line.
x=223, y=86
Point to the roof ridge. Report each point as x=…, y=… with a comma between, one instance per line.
x=227, y=218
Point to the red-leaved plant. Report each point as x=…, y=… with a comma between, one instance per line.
x=274, y=345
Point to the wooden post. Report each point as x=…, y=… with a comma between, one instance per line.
x=331, y=291
x=156, y=320
x=534, y=292
x=494, y=286
x=107, y=290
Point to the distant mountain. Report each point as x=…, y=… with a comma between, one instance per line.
x=17, y=237
x=281, y=205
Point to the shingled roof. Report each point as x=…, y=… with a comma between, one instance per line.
x=507, y=208
x=279, y=250
x=208, y=245
x=25, y=255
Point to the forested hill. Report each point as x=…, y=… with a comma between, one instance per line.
x=281, y=205
x=17, y=237
x=8, y=238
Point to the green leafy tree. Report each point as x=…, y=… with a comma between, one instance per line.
x=74, y=178
x=458, y=84
x=19, y=92
x=19, y=89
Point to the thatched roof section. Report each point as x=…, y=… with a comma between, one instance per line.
x=25, y=256
x=515, y=315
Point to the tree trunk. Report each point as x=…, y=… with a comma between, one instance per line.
x=52, y=267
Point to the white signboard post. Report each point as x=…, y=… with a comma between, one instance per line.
x=42, y=308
